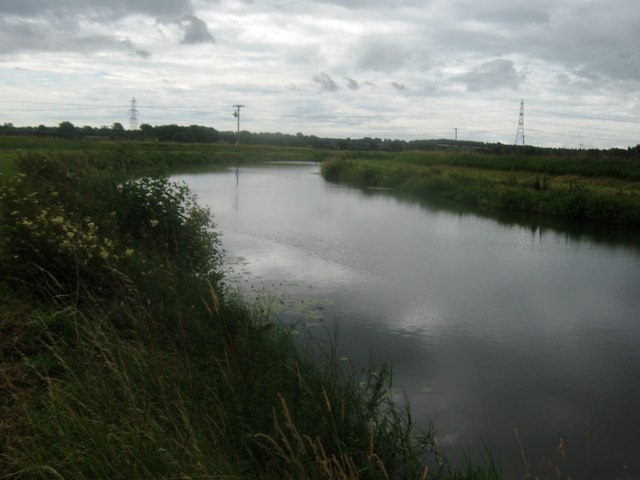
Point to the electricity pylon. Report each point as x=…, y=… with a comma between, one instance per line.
x=520, y=133
x=133, y=115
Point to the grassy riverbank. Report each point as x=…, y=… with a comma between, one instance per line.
x=154, y=156
x=123, y=354
x=600, y=190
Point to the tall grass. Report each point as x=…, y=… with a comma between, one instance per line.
x=220, y=393
x=627, y=168
x=129, y=357
x=432, y=177
x=150, y=157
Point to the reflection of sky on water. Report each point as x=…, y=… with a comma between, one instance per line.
x=487, y=326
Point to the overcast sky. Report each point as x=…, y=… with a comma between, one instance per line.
x=390, y=69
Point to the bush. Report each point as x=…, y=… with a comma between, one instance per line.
x=165, y=219
x=47, y=245
x=70, y=226
x=334, y=167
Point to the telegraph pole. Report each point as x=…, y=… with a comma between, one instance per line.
x=236, y=114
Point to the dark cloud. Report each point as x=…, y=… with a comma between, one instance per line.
x=136, y=51
x=143, y=54
x=508, y=12
x=401, y=87
x=491, y=75
x=65, y=37
x=61, y=25
x=195, y=30
x=94, y=8
x=368, y=4
x=351, y=83
x=325, y=82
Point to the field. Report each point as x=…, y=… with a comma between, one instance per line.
x=598, y=190
x=149, y=155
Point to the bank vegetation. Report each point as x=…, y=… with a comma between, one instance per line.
x=582, y=188
x=124, y=353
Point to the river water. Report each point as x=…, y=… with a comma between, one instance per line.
x=488, y=326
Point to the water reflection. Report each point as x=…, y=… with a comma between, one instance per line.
x=490, y=323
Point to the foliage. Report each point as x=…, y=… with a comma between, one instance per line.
x=135, y=362
x=164, y=218
x=71, y=225
x=585, y=164
x=500, y=184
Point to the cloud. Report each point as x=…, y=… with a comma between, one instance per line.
x=106, y=9
x=382, y=53
x=499, y=73
x=351, y=83
x=325, y=82
x=64, y=37
x=85, y=26
x=363, y=4
x=195, y=30
x=508, y=12
x=574, y=54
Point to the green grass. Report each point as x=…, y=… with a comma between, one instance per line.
x=123, y=354
x=504, y=184
x=582, y=164
x=7, y=164
x=152, y=155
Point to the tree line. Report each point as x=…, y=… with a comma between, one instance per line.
x=202, y=134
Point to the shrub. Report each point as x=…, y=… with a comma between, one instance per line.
x=70, y=226
x=48, y=245
x=334, y=167
x=165, y=218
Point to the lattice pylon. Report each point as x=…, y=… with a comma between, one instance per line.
x=520, y=133
x=133, y=115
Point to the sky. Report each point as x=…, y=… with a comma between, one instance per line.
x=399, y=69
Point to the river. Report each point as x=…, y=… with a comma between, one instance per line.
x=488, y=326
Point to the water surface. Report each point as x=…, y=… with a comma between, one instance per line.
x=488, y=326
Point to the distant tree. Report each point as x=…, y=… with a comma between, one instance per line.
x=166, y=133
x=196, y=133
x=66, y=130
x=394, y=145
x=147, y=131
x=87, y=131
x=7, y=128
x=117, y=130
x=372, y=144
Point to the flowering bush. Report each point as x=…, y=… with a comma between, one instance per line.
x=67, y=231
x=45, y=242
x=165, y=218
